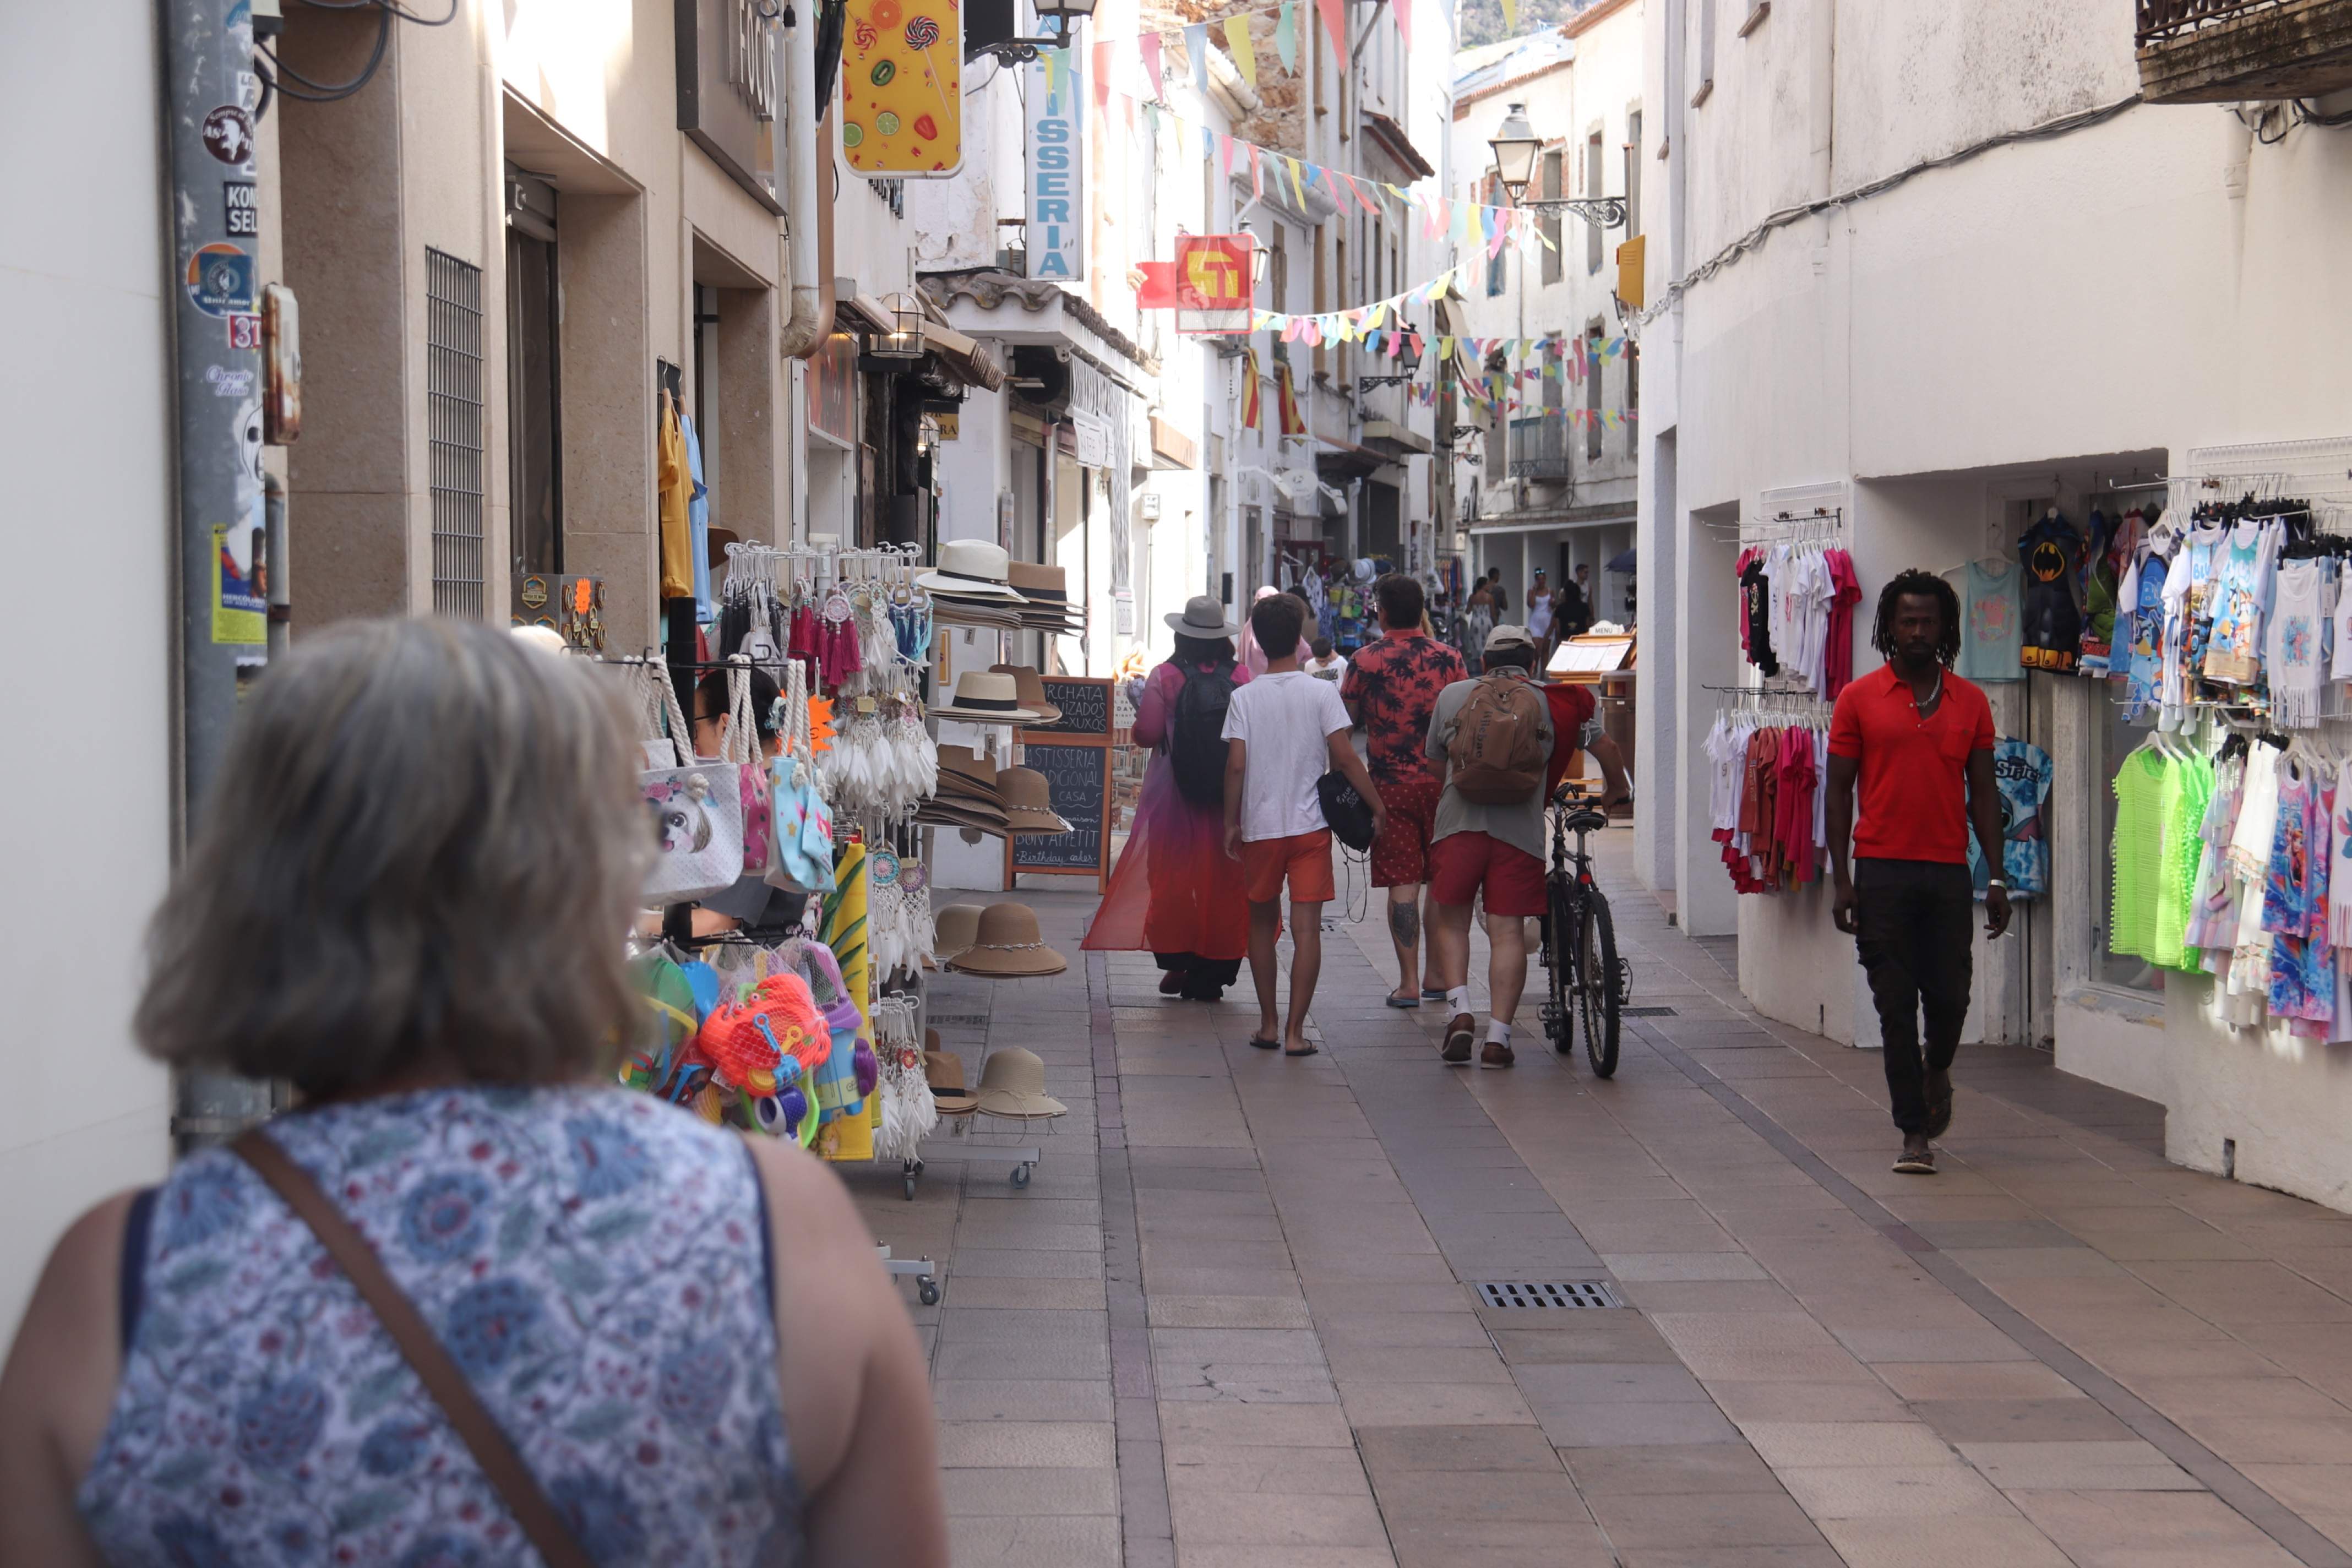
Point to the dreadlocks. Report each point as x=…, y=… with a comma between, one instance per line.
x=1925, y=585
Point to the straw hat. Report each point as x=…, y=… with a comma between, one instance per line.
x=1007, y=945
x=967, y=770
x=1013, y=1083
x=1032, y=687
x=986, y=698
x=1028, y=802
x=973, y=567
x=1046, y=587
x=954, y=927
x=1203, y=616
x=944, y=1072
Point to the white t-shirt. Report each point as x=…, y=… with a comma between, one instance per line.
x=1286, y=720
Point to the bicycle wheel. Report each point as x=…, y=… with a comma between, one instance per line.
x=1558, y=1016
x=1597, y=983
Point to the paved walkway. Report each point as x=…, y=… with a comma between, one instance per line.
x=1229, y=1323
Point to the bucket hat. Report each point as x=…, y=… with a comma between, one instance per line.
x=983, y=697
x=943, y=1070
x=1028, y=802
x=974, y=567
x=1202, y=617
x=954, y=927
x=1013, y=1083
x=1007, y=945
x=1032, y=688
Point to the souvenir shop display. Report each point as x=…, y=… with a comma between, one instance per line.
x=1768, y=756
x=1028, y=802
x=900, y=931
x=968, y=795
x=910, y=1111
x=1007, y=945
x=972, y=586
x=1993, y=619
x=1045, y=600
x=1797, y=596
x=2051, y=557
x=985, y=696
x=943, y=1071
x=712, y=816
x=2022, y=773
x=954, y=929
x=1029, y=689
x=1013, y=1086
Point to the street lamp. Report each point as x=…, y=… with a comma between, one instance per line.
x=906, y=338
x=1516, y=146
x=989, y=28
x=1408, y=362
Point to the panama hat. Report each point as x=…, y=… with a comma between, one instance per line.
x=983, y=697
x=1028, y=802
x=954, y=929
x=1007, y=945
x=1203, y=616
x=967, y=770
x=944, y=1072
x=1013, y=1083
x=1032, y=688
x=973, y=567
x=1047, y=591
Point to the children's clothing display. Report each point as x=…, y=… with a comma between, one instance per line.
x=2022, y=773
x=2052, y=554
x=1991, y=622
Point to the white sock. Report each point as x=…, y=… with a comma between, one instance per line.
x=1497, y=1032
x=1457, y=1000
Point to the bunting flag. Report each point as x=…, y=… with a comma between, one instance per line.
x=1151, y=44
x=1196, y=49
x=1258, y=174
x=1102, y=76
x=1225, y=152
x=1286, y=399
x=1335, y=23
x=1403, y=9
x=1285, y=36
x=1298, y=188
x=1250, y=414
x=1510, y=18
x=1237, y=39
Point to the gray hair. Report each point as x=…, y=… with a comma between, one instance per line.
x=421, y=857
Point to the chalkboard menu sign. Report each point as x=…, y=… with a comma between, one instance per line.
x=1075, y=756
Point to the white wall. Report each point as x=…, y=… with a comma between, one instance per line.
x=2156, y=282
x=88, y=441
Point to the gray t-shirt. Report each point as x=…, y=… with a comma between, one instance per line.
x=1520, y=825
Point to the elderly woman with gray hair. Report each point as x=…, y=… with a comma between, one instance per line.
x=465, y=1306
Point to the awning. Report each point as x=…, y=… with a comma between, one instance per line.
x=1396, y=438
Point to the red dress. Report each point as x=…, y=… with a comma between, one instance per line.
x=1173, y=893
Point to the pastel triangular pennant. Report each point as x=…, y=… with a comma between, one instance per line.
x=1334, y=23
x=1196, y=49
x=1285, y=36
x=1102, y=76
x=1237, y=38
x=1510, y=18
x=1151, y=47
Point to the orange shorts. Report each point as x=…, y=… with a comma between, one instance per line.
x=1304, y=859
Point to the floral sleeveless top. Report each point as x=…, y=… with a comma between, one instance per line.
x=595, y=1262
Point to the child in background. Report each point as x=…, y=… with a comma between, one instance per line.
x=1325, y=663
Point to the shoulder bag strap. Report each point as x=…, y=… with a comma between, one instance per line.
x=443, y=1382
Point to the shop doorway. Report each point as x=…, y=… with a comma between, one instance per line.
x=535, y=376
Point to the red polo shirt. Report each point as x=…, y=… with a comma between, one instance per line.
x=1914, y=787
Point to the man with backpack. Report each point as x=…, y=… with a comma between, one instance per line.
x=1494, y=736
x=1392, y=687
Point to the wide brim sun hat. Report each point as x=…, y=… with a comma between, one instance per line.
x=1013, y=1083
x=1031, y=686
x=1007, y=945
x=953, y=928
x=943, y=1070
x=1029, y=802
x=983, y=697
x=973, y=567
x=1203, y=615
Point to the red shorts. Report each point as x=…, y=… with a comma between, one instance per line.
x=1304, y=859
x=1400, y=855
x=1462, y=863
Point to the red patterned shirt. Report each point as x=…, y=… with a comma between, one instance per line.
x=1392, y=685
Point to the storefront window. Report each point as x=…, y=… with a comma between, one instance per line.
x=2115, y=740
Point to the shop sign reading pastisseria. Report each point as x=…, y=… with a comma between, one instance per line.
x=1056, y=125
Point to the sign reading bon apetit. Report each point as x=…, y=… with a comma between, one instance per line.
x=1056, y=115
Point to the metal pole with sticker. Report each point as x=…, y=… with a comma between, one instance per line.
x=210, y=96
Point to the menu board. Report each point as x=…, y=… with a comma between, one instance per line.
x=1074, y=753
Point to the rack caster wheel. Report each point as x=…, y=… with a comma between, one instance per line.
x=926, y=1291
x=1020, y=1176
x=910, y=1186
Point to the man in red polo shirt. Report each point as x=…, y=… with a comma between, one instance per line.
x=1919, y=739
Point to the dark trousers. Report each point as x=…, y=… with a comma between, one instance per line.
x=1916, y=941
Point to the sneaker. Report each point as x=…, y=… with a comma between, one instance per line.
x=1916, y=1159
x=1460, y=1036
x=1939, y=1103
x=1496, y=1055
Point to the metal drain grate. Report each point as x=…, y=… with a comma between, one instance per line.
x=1645, y=1012
x=1547, y=1293
x=957, y=1020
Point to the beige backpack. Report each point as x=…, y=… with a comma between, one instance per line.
x=1497, y=751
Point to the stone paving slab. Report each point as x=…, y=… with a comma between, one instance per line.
x=1228, y=1324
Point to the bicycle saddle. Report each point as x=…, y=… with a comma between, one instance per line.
x=1585, y=819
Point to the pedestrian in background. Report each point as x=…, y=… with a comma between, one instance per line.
x=1173, y=893
x=1392, y=688
x=1919, y=739
x=1287, y=728
x=408, y=897
x=1477, y=620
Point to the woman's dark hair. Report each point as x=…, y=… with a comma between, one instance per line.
x=711, y=696
x=1916, y=584
x=1276, y=622
x=422, y=853
x=1192, y=650
x=1400, y=600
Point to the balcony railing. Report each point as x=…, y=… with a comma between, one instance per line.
x=1551, y=470
x=2223, y=51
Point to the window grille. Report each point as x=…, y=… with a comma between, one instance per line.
x=453, y=416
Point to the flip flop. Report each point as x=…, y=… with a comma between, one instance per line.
x=1396, y=1001
x=1430, y=993
x=1310, y=1051
x=1266, y=1044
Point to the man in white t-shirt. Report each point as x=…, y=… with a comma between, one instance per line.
x=1284, y=731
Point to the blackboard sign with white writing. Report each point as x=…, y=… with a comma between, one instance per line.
x=1085, y=705
x=1077, y=780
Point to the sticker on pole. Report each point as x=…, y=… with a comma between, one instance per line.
x=228, y=136
x=240, y=587
x=220, y=280
x=902, y=88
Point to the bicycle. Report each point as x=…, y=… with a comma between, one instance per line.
x=1579, y=943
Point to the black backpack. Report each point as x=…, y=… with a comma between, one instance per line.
x=1196, y=741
